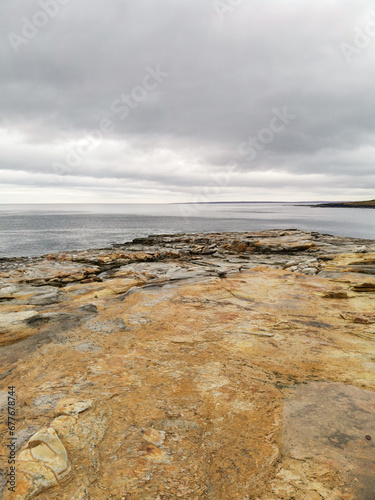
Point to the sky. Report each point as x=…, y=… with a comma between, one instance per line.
x=156, y=101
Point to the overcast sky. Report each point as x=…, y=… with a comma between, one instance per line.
x=186, y=100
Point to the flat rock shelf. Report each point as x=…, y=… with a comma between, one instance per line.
x=193, y=366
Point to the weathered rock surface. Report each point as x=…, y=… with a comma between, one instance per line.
x=224, y=366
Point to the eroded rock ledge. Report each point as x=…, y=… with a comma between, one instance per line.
x=205, y=366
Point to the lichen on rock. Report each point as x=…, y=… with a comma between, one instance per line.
x=206, y=366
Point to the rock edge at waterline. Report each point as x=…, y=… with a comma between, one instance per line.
x=203, y=366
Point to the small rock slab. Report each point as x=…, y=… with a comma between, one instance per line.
x=334, y=423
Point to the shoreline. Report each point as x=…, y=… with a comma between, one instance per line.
x=25, y=259
x=188, y=246
x=153, y=365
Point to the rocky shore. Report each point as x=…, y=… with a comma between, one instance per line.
x=203, y=366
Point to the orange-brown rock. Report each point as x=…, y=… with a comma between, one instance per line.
x=167, y=381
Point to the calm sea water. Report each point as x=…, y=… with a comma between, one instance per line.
x=31, y=230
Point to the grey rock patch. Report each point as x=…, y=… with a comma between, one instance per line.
x=3, y=401
x=65, y=320
x=328, y=422
x=138, y=319
x=48, y=401
x=41, y=319
x=87, y=347
x=39, y=296
x=89, y=308
x=6, y=373
x=45, y=296
x=3, y=481
x=106, y=327
x=364, y=268
x=14, y=290
x=24, y=435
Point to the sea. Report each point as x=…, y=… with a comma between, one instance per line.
x=34, y=230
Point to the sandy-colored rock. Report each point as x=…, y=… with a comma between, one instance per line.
x=70, y=406
x=14, y=325
x=169, y=380
x=43, y=464
x=327, y=424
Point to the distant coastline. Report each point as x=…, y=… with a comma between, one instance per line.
x=349, y=204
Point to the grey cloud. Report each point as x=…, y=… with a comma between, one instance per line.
x=225, y=77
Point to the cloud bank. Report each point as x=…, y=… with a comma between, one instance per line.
x=167, y=101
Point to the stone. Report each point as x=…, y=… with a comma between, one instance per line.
x=48, y=401
x=88, y=308
x=15, y=326
x=327, y=424
x=87, y=347
x=45, y=297
x=165, y=380
x=81, y=494
x=310, y=271
x=336, y=295
x=43, y=464
x=364, y=287
x=70, y=406
x=12, y=319
x=153, y=436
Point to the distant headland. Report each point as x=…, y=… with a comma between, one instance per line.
x=349, y=204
